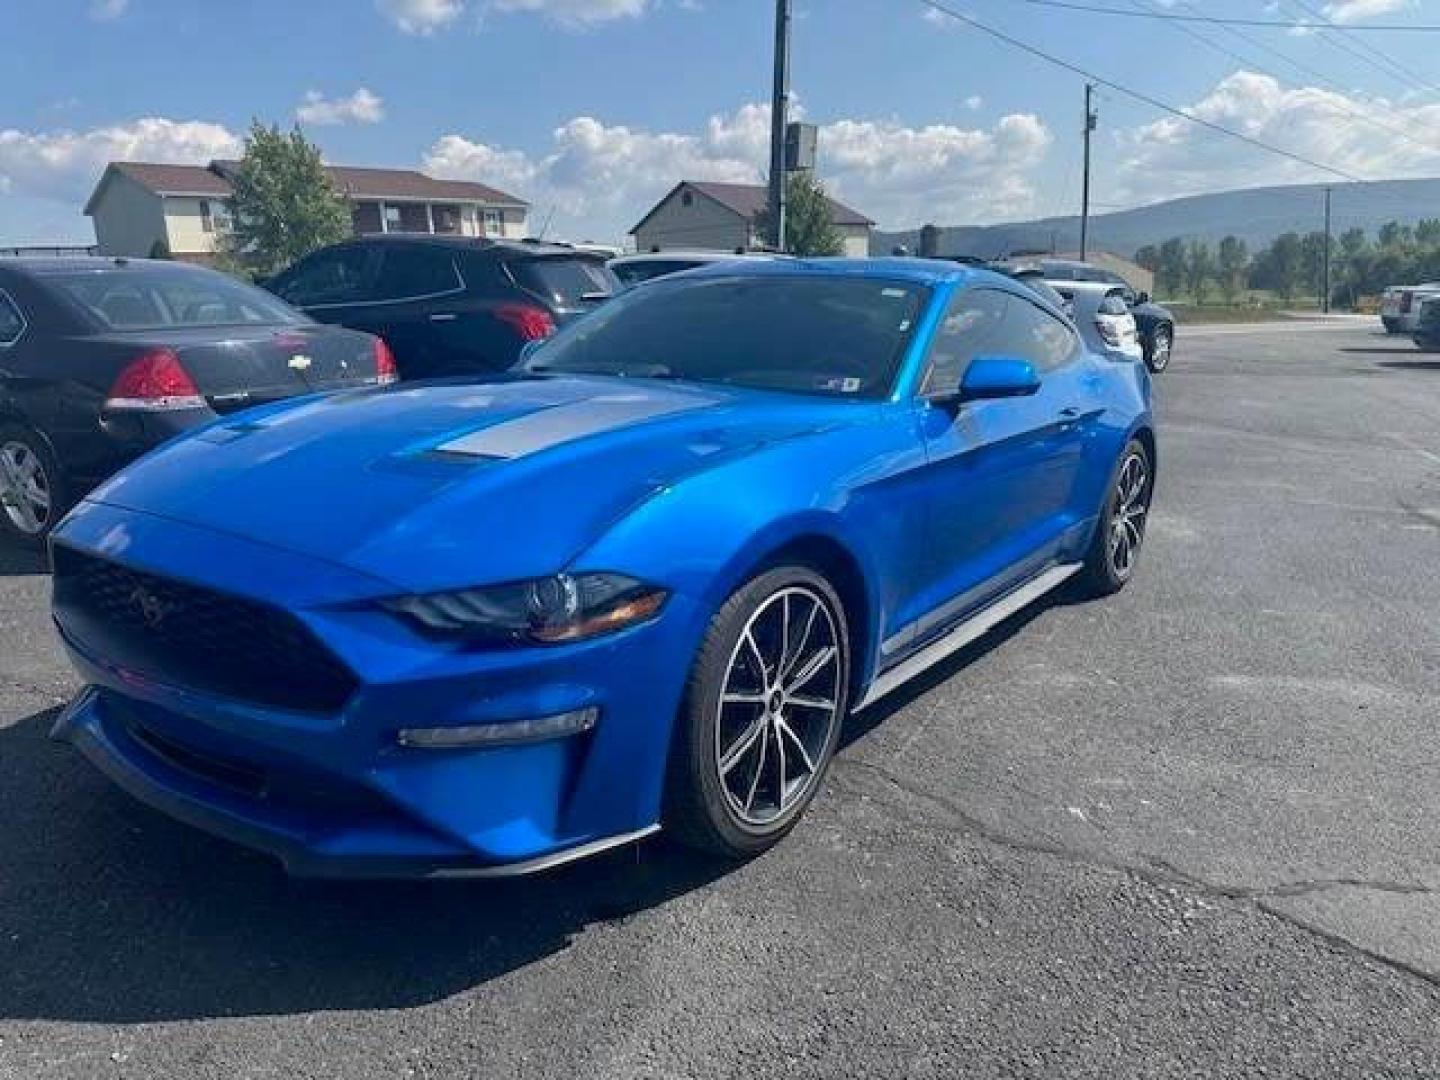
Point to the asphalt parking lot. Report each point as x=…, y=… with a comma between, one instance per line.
x=1190, y=831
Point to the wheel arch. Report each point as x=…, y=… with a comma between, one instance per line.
x=817, y=544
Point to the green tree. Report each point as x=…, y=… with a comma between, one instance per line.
x=1148, y=257
x=1199, y=268
x=1170, y=273
x=283, y=206
x=1231, y=263
x=809, y=222
x=1285, y=265
x=1312, y=262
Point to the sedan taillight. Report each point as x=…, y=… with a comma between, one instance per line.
x=385, y=370
x=155, y=381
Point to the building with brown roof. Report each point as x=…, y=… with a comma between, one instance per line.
x=722, y=217
x=139, y=206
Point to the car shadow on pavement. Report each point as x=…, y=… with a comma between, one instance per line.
x=112, y=913
x=1411, y=365
x=16, y=561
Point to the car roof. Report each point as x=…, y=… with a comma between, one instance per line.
x=59, y=264
x=917, y=271
x=1090, y=286
x=473, y=243
x=693, y=256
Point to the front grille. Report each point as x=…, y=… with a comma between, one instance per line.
x=196, y=637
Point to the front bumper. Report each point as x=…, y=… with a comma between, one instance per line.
x=335, y=795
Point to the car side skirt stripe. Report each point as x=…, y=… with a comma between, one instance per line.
x=976, y=626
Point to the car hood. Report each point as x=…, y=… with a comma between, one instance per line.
x=431, y=487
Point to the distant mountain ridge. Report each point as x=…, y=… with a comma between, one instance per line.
x=1256, y=215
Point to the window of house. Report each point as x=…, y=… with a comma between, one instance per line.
x=207, y=222
x=392, y=218
x=494, y=223
x=12, y=323
x=687, y=199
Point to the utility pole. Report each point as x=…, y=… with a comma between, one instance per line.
x=779, y=115
x=1325, y=276
x=1090, y=121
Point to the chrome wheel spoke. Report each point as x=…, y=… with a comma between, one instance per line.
x=786, y=730
x=806, y=702
x=759, y=767
x=812, y=667
x=742, y=746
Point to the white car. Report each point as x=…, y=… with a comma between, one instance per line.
x=1103, y=317
x=1400, y=306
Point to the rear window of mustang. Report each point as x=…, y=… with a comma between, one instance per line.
x=828, y=335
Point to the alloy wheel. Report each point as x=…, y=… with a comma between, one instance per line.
x=25, y=491
x=1127, y=521
x=1160, y=350
x=779, y=706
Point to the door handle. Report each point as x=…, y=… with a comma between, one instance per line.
x=444, y=316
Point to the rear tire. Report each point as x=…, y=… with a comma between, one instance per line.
x=1120, y=531
x=1157, y=352
x=33, y=490
x=767, y=696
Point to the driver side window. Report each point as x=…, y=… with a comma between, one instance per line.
x=969, y=328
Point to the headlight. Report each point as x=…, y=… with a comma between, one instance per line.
x=547, y=610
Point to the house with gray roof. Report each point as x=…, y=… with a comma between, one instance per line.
x=139, y=206
x=701, y=216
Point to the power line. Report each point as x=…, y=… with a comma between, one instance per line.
x=1154, y=103
x=1345, y=108
x=1381, y=62
x=1219, y=20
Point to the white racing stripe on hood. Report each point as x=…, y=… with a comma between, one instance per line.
x=564, y=423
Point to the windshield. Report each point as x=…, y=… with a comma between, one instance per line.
x=153, y=298
x=820, y=335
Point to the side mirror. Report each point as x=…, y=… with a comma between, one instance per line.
x=998, y=377
x=1142, y=298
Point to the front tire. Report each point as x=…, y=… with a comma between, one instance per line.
x=1157, y=353
x=762, y=714
x=1120, y=532
x=32, y=488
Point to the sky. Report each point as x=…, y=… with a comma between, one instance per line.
x=592, y=109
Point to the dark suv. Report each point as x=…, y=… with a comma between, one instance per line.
x=447, y=305
x=1153, y=323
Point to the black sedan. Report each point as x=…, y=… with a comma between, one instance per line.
x=448, y=305
x=103, y=359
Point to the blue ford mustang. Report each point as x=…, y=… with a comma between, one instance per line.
x=485, y=627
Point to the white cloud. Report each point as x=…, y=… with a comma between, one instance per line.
x=421, y=16
x=106, y=10
x=361, y=107
x=974, y=102
x=600, y=178
x=1171, y=157
x=1350, y=11
x=575, y=14
x=427, y=16
x=64, y=165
